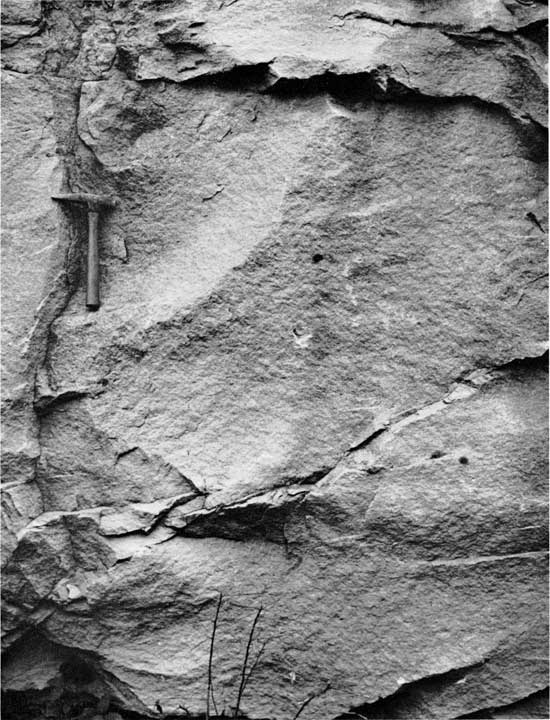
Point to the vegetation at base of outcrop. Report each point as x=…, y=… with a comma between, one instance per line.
x=70, y=705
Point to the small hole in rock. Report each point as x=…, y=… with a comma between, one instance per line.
x=463, y=460
x=437, y=454
x=317, y=258
x=103, y=382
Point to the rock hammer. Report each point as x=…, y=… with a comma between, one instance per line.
x=94, y=203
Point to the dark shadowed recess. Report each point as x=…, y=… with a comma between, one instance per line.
x=79, y=705
x=533, y=706
x=356, y=89
x=404, y=705
x=525, y=365
x=408, y=700
x=411, y=701
x=537, y=32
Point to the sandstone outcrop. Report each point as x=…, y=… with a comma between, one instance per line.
x=316, y=384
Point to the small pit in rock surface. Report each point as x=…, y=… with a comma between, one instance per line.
x=437, y=454
x=316, y=258
x=463, y=460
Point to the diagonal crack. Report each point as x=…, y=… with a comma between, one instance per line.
x=264, y=513
x=258, y=516
x=403, y=701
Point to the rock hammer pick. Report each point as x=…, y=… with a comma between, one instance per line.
x=93, y=203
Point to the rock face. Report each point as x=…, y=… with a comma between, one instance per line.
x=316, y=385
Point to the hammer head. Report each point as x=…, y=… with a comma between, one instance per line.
x=90, y=200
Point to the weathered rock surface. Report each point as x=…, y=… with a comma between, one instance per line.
x=316, y=382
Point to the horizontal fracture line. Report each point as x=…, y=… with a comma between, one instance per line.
x=474, y=560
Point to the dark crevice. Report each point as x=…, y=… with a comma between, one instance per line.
x=380, y=85
x=408, y=700
x=217, y=192
x=473, y=39
x=48, y=403
x=239, y=78
x=377, y=84
x=535, y=704
x=250, y=520
x=370, y=438
x=537, y=32
x=534, y=219
x=515, y=367
x=526, y=365
x=260, y=516
x=124, y=453
x=478, y=33
x=311, y=479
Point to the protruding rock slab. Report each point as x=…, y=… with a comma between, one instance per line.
x=417, y=565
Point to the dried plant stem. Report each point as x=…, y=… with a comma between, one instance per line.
x=244, y=677
x=253, y=666
x=209, y=692
x=306, y=702
x=303, y=706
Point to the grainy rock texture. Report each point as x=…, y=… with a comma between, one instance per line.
x=316, y=384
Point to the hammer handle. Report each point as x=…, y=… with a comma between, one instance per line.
x=92, y=287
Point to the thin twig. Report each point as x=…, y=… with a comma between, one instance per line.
x=253, y=666
x=304, y=705
x=214, y=702
x=210, y=659
x=245, y=663
x=256, y=661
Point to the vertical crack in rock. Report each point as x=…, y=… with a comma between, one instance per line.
x=59, y=84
